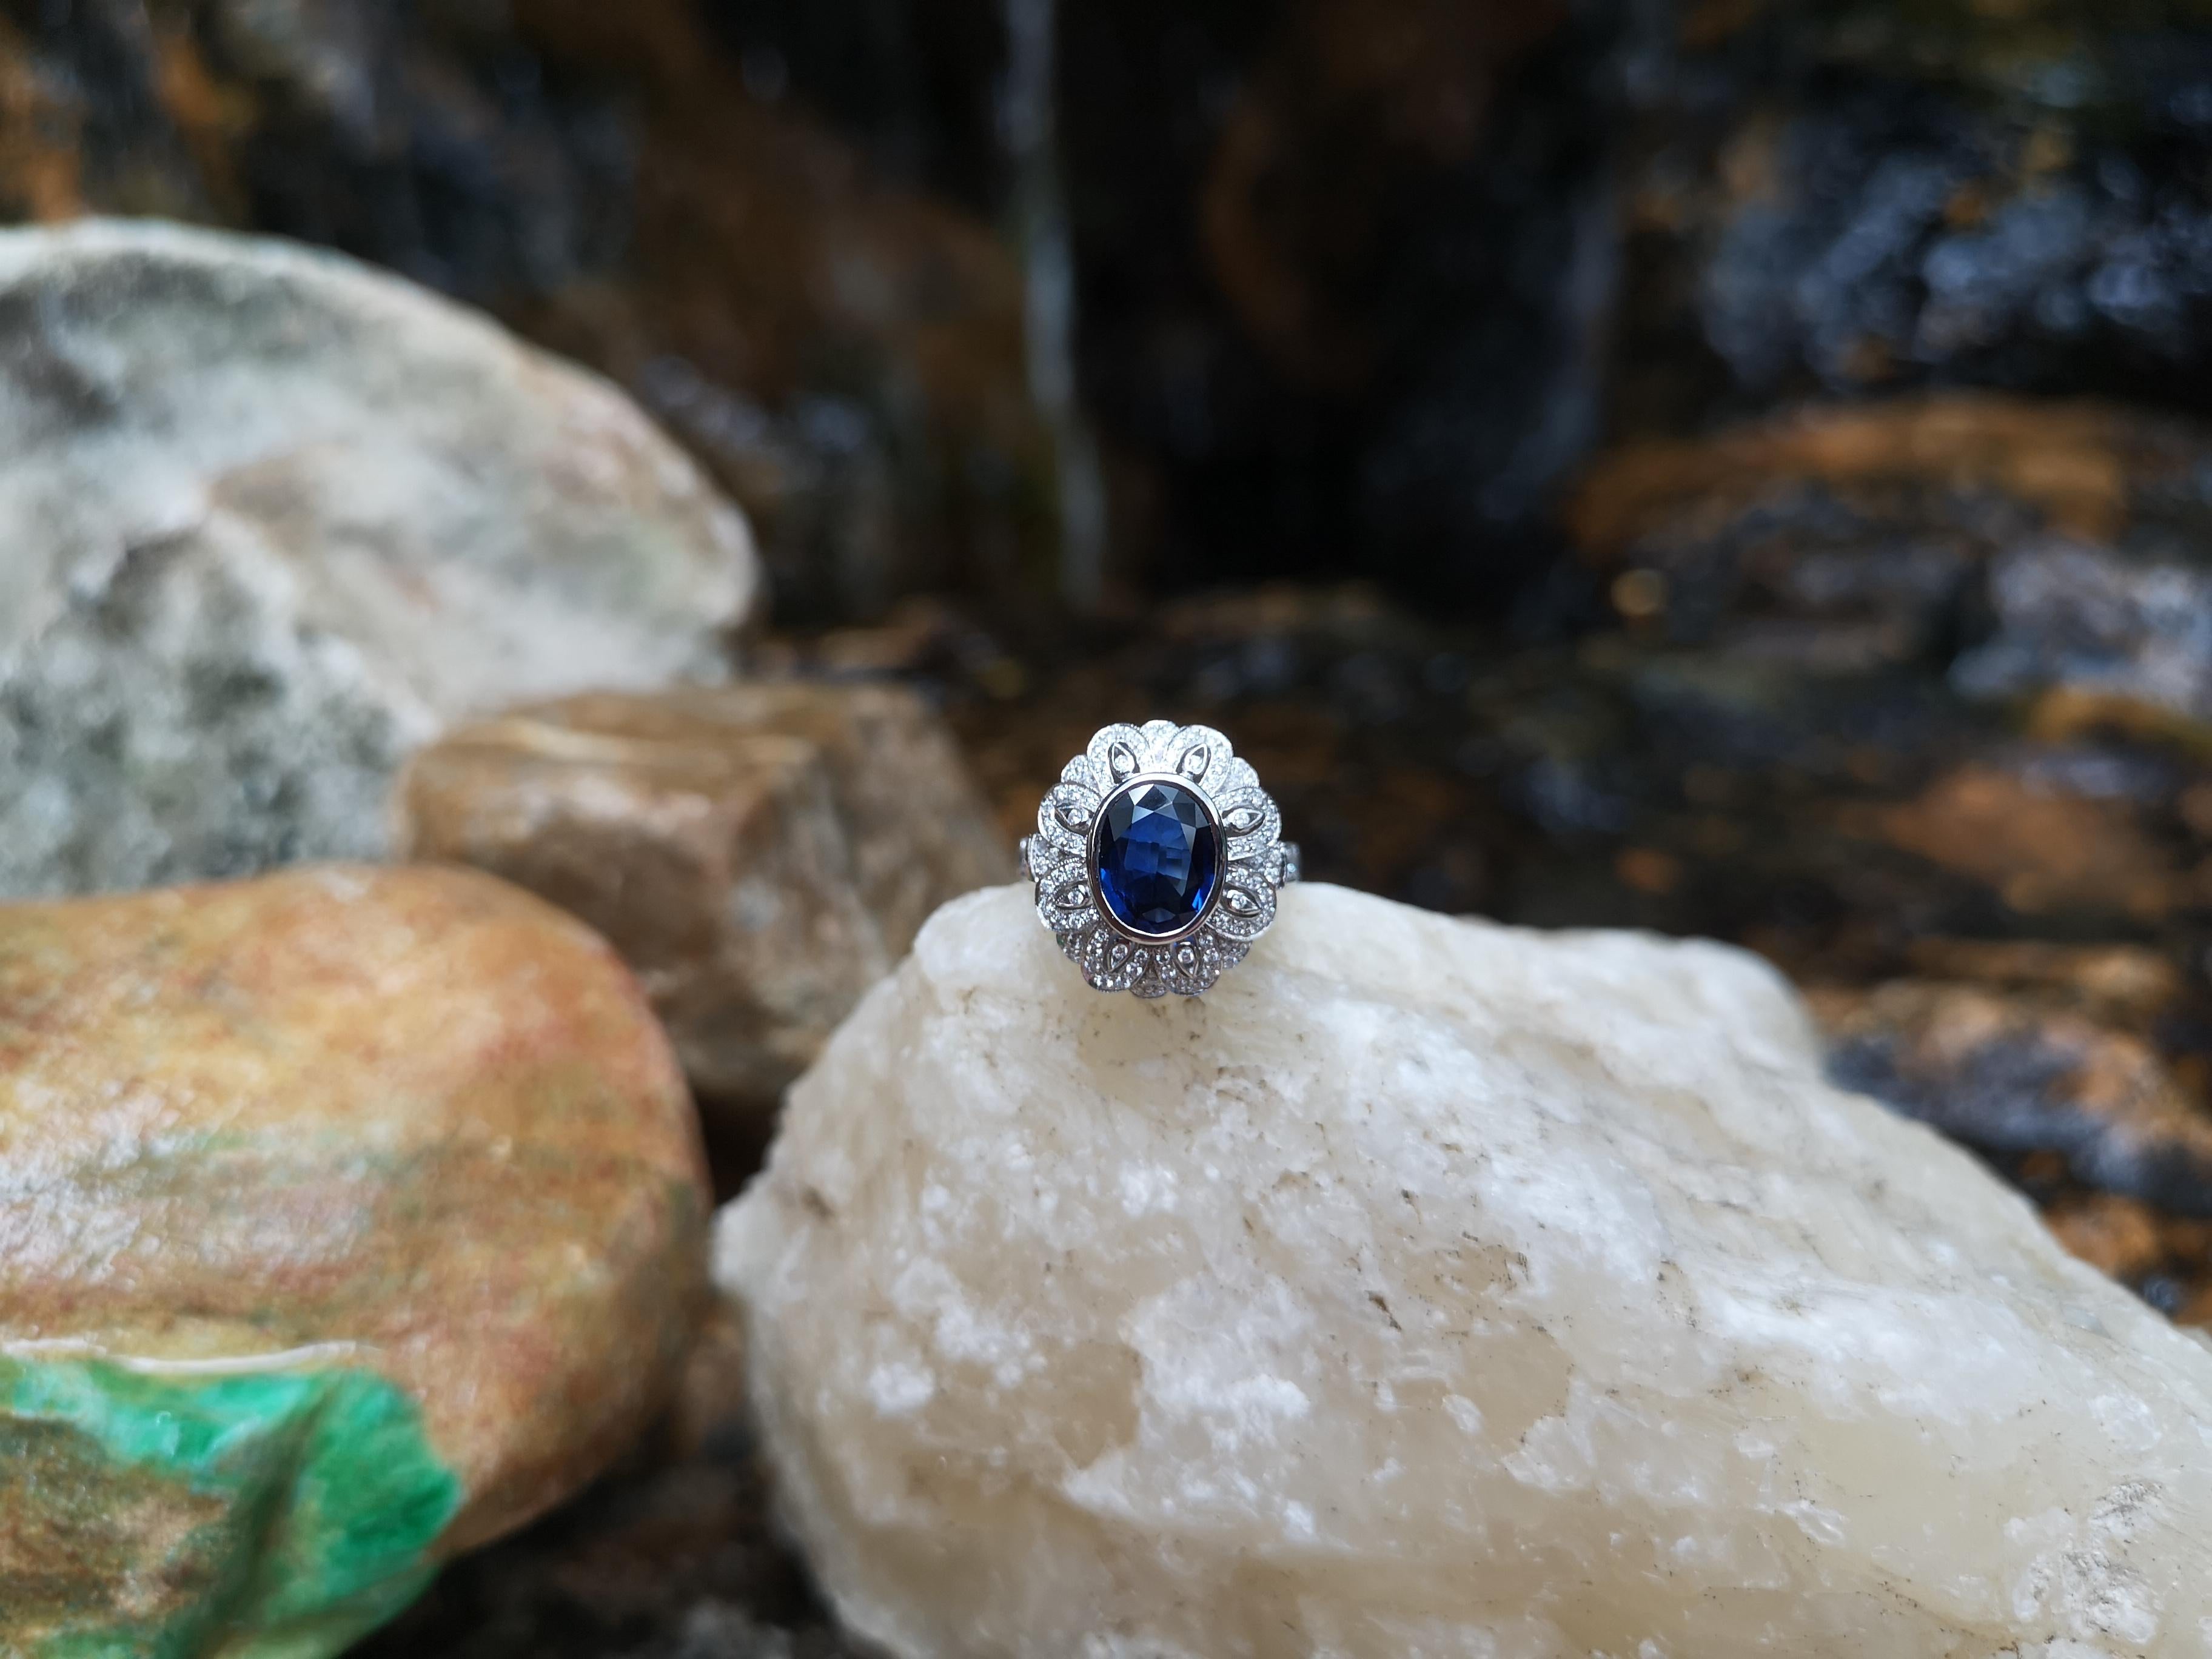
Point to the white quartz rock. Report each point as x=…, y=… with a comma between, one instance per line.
x=1436, y=1289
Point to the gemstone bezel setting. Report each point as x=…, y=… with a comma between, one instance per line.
x=1094, y=844
x=1252, y=862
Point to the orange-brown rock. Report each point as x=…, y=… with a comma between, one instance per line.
x=349, y=1218
x=760, y=854
x=2128, y=986
x=2039, y=850
x=2079, y=463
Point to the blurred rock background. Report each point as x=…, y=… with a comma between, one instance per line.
x=1727, y=467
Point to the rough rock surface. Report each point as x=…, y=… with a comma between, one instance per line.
x=349, y=1218
x=760, y=854
x=1436, y=1288
x=272, y=521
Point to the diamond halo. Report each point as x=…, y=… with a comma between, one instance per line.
x=1208, y=878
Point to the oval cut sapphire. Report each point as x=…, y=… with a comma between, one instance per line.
x=1159, y=855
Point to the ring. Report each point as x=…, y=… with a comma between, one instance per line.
x=1157, y=857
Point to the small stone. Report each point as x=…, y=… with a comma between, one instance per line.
x=760, y=854
x=272, y=521
x=349, y=1218
x=1159, y=856
x=1435, y=1287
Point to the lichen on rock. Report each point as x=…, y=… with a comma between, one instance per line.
x=1433, y=1287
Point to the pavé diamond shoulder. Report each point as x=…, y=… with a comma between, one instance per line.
x=1157, y=858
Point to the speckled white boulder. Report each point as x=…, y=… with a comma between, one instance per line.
x=270, y=520
x=1436, y=1289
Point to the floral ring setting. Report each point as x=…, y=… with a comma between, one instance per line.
x=1157, y=857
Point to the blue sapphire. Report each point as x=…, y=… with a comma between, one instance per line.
x=1159, y=855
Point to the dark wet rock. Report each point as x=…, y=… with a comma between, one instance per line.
x=1901, y=238
x=2046, y=556
x=2012, y=1078
x=2126, y=634
x=1878, y=194
x=1347, y=269
x=1922, y=582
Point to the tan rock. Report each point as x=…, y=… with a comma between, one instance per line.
x=1435, y=1288
x=347, y=1219
x=2038, y=849
x=760, y=854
